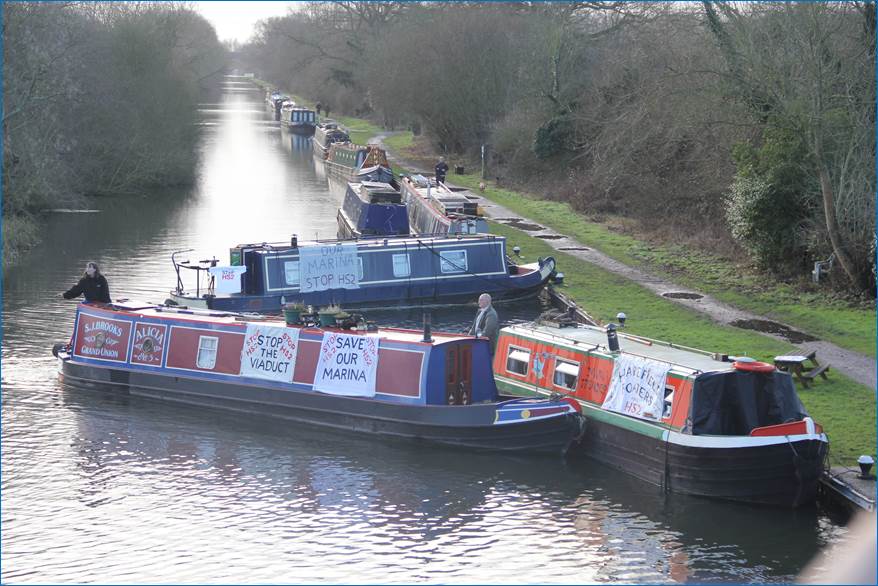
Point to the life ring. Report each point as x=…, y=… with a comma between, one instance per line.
x=753, y=366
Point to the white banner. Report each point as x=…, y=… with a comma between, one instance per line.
x=227, y=279
x=334, y=266
x=637, y=387
x=347, y=365
x=269, y=352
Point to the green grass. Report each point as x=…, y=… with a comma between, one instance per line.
x=845, y=409
x=399, y=143
x=359, y=130
x=813, y=312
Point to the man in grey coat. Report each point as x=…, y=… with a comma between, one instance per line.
x=486, y=324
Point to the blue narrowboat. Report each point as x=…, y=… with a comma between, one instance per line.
x=372, y=209
x=299, y=120
x=437, y=208
x=436, y=388
x=376, y=273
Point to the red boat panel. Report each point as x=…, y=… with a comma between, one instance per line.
x=306, y=361
x=183, y=349
x=102, y=338
x=399, y=372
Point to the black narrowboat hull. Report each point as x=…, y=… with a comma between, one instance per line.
x=470, y=427
x=780, y=474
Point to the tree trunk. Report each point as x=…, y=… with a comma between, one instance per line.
x=828, y=194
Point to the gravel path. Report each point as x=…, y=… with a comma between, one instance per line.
x=858, y=367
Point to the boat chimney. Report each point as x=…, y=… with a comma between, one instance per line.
x=428, y=323
x=294, y=241
x=612, y=338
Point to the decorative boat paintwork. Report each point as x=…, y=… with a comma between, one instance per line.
x=722, y=433
x=393, y=383
x=392, y=272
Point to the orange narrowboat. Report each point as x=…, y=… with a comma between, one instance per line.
x=680, y=418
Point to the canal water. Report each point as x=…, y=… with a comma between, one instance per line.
x=96, y=488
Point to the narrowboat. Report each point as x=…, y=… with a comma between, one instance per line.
x=437, y=208
x=676, y=417
x=437, y=388
x=358, y=274
x=277, y=102
x=372, y=209
x=327, y=132
x=346, y=160
x=299, y=120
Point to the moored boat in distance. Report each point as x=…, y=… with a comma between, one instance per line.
x=372, y=209
x=327, y=132
x=394, y=383
x=367, y=273
x=299, y=120
x=437, y=208
x=676, y=417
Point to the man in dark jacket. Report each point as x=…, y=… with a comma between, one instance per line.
x=486, y=324
x=441, y=170
x=92, y=284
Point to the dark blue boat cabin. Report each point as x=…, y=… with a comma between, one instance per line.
x=372, y=209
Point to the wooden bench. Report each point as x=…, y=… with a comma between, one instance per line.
x=795, y=365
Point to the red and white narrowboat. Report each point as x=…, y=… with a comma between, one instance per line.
x=677, y=417
x=437, y=388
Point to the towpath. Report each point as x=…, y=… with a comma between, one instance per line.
x=858, y=367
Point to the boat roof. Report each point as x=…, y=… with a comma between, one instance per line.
x=584, y=337
x=208, y=316
x=412, y=241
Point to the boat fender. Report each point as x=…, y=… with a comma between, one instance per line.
x=58, y=348
x=761, y=367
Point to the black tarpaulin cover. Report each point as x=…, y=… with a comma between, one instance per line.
x=735, y=402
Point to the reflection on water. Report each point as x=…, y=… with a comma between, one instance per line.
x=97, y=488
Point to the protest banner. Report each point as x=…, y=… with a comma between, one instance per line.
x=347, y=365
x=269, y=352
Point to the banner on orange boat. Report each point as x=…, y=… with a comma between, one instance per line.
x=331, y=266
x=269, y=352
x=637, y=387
x=347, y=365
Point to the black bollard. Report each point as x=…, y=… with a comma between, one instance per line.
x=612, y=338
x=428, y=322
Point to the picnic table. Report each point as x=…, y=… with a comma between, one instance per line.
x=795, y=364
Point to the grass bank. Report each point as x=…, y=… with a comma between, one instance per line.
x=845, y=409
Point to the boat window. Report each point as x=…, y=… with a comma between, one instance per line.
x=566, y=374
x=401, y=266
x=359, y=268
x=669, y=402
x=206, y=352
x=291, y=273
x=518, y=360
x=452, y=261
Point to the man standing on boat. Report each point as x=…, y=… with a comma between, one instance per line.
x=441, y=170
x=486, y=325
x=93, y=285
